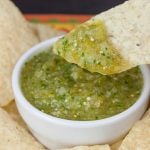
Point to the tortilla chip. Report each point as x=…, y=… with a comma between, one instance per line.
x=139, y=136
x=13, y=112
x=116, y=145
x=147, y=114
x=129, y=28
x=96, y=147
x=44, y=31
x=15, y=38
x=111, y=42
x=13, y=136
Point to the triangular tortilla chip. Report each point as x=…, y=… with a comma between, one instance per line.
x=13, y=136
x=139, y=136
x=15, y=38
x=110, y=42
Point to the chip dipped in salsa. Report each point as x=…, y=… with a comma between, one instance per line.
x=64, y=90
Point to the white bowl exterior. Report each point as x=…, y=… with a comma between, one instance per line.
x=57, y=133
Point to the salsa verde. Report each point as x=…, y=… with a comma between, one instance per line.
x=89, y=46
x=64, y=90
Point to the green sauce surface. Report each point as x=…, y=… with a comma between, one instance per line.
x=67, y=91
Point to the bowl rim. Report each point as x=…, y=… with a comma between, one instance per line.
x=19, y=97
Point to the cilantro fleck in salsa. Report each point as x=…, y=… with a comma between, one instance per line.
x=89, y=46
x=64, y=90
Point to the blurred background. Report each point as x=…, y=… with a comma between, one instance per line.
x=66, y=6
x=63, y=14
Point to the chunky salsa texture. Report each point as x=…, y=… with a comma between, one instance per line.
x=89, y=46
x=64, y=90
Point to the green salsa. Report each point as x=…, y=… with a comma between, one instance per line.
x=64, y=90
x=89, y=46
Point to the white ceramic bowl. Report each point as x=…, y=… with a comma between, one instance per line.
x=57, y=133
